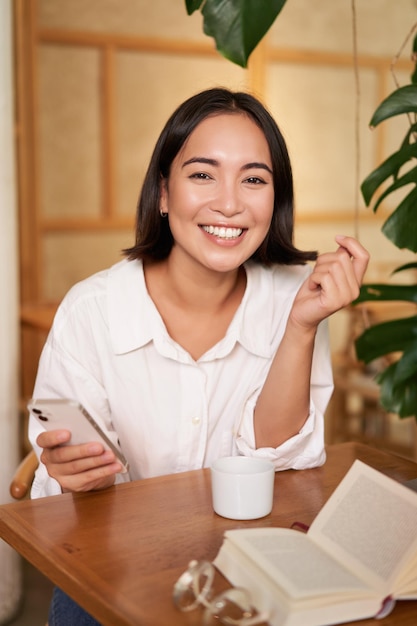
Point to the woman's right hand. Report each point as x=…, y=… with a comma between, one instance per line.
x=83, y=467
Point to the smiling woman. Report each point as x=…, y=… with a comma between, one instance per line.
x=210, y=338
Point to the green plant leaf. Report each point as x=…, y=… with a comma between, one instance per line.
x=409, y=137
x=377, y=292
x=414, y=74
x=390, y=167
x=385, y=338
x=406, y=367
x=399, y=398
x=237, y=25
x=406, y=266
x=403, y=100
x=409, y=178
x=193, y=5
x=397, y=227
x=398, y=381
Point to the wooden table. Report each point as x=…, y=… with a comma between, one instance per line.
x=118, y=552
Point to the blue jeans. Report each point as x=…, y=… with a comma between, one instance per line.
x=65, y=612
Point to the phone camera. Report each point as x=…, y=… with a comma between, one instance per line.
x=40, y=414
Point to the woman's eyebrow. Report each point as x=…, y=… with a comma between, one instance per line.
x=256, y=165
x=215, y=163
x=204, y=160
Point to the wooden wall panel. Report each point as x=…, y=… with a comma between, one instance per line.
x=70, y=138
x=326, y=26
x=95, y=251
x=318, y=121
x=144, y=18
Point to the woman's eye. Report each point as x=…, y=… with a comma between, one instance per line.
x=200, y=176
x=255, y=180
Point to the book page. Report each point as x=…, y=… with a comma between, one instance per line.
x=370, y=524
x=299, y=566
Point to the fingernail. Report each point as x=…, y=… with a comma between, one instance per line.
x=95, y=448
x=108, y=455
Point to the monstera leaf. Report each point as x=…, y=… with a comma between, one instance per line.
x=397, y=227
x=398, y=381
x=396, y=339
x=237, y=26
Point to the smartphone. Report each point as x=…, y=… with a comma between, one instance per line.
x=71, y=415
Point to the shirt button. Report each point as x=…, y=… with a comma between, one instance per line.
x=196, y=420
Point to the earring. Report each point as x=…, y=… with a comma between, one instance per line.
x=163, y=213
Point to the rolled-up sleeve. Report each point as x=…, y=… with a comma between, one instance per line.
x=302, y=451
x=306, y=448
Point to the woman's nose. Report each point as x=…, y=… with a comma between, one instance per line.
x=227, y=200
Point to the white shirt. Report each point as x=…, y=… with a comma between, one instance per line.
x=109, y=350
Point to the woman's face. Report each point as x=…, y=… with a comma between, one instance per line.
x=220, y=195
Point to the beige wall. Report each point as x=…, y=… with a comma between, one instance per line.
x=10, y=583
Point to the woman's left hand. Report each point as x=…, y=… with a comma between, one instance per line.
x=333, y=284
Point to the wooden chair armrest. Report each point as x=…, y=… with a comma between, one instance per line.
x=23, y=476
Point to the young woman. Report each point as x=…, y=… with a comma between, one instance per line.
x=210, y=338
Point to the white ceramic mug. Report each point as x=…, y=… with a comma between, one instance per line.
x=242, y=487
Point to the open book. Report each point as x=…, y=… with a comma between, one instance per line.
x=357, y=558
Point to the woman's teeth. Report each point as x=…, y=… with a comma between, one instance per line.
x=223, y=232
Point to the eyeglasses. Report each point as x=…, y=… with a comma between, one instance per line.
x=232, y=607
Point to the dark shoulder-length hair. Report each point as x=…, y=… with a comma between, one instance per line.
x=153, y=235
